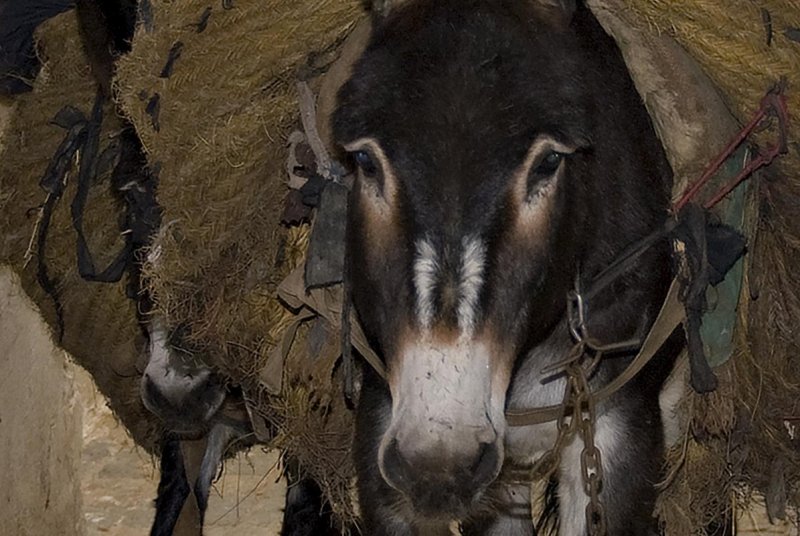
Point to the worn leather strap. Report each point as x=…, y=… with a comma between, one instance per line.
x=669, y=317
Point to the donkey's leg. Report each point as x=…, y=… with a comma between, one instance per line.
x=305, y=513
x=173, y=489
x=512, y=516
x=630, y=440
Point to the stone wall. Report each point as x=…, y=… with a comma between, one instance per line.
x=40, y=423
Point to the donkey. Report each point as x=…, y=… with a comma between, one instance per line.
x=501, y=152
x=192, y=403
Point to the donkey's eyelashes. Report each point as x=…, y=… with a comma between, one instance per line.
x=549, y=164
x=365, y=163
x=542, y=173
x=370, y=168
x=368, y=158
x=543, y=164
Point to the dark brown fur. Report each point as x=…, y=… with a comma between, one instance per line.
x=455, y=92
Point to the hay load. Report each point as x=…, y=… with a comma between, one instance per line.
x=740, y=438
x=100, y=328
x=213, y=108
x=211, y=90
x=213, y=103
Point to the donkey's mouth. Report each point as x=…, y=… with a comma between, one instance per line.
x=444, y=445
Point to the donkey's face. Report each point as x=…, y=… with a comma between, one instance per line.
x=467, y=122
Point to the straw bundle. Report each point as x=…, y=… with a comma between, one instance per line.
x=100, y=327
x=215, y=122
x=740, y=438
x=218, y=139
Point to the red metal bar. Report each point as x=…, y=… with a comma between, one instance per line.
x=773, y=103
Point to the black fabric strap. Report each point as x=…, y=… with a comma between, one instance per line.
x=627, y=259
x=54, y=182
x=86, y=174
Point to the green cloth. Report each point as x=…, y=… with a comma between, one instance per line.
x=719, y=321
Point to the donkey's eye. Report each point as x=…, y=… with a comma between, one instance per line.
x=365, y=163
x=549, y=164
x=366, y=157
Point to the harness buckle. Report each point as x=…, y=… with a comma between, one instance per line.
x=576, y=312
x=576, y=319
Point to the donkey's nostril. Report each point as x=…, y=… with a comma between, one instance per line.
x=396, y=470
x=440, y=479
x=487, y=464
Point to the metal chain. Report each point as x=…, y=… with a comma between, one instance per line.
x=566, y=424
x=577, y=414
x=591, y=461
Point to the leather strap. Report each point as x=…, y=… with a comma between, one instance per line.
x=669, y=317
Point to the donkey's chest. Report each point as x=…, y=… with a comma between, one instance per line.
x=524, y=444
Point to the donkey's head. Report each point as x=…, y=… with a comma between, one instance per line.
x=182, y=392
x=473, y=125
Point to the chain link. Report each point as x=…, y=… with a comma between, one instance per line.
x=566, y=427
x=583, y=405
x=576, y=419
x=591, y=461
